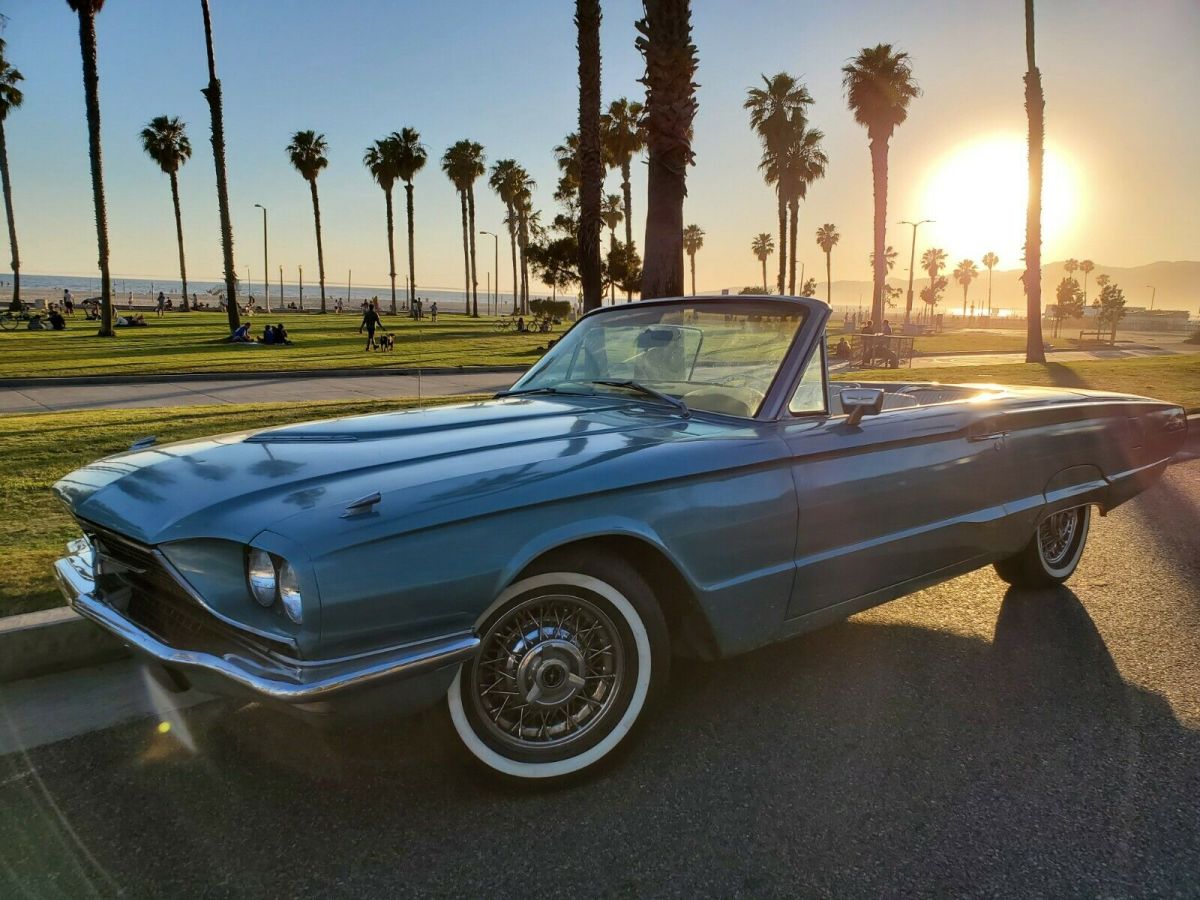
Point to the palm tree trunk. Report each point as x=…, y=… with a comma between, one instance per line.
x=794, y=215
x=8, y=209
x=879, y=179
x=627, y=191
x=212, y=94
x=1035, y=107
x=391, y=235
x=179, y=237
x=462, y=197
x=512, y=243
x=612, y=284
x=474, y=270
x=523, y=225
x=783, y=244
x=320, y=249
x=412, y=268
x=666, y=43
x=965, y=301
x=989, y=292
x=829, y=277
x=763, y=260
x=591, y=164
x=91, y=86
x=692, y=261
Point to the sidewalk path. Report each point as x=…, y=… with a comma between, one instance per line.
x=266, y=389
x=58, y=398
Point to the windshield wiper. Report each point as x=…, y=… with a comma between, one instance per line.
x=549, y=389
x=632, y=385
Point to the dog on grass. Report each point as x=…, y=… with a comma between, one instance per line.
x=387, y=342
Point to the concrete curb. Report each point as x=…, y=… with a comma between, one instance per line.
x=57, y=640
x=84, y=380
x=52, y=640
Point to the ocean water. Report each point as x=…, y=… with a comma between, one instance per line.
x=50, y=287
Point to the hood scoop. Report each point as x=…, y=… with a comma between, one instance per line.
x=362, y=505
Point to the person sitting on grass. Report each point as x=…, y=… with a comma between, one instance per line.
x=242, y=335
x=268, y=335
x=57, y=322
x=281, y=334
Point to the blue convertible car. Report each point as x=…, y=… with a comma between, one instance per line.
x=673, y=477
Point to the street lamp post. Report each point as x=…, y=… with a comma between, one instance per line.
x=1153, y=292
x=266, y=268
x=300, y=276
x=912, y=262
x=496, y=266
x=281, y=288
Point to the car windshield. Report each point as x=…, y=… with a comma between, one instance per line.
x=715, y=356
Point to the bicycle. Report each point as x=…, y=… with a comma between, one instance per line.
x=10, y=320
x=505, y=323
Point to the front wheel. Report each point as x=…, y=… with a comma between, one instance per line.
x=1053, y=554
x=568, y=661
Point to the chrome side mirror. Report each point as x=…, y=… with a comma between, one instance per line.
x=859, y=402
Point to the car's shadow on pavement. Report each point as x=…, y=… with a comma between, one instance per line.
x=864, y=759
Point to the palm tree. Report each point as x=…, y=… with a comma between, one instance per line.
x=990, y=260
x=889, y=258
x=410, y=159
x=475, y=167
x=1035, y=108
x=879, y=86
x=763, y=246
x=591, y=156
x=693, y=240
x=777, y=111
x=87, y=10
x=307, y=153
x=1071, y=266
x=526, y=223
x=380, y=160
x=10, y=99
x=933, y=261
x=624, y=137
x=456, y=164
x=804, y=163
x=964, y=273
x=212, y=94
x=566, y=156
x=508, y=180
x=827, y=238
x=665, y=40
x=166, y=142
x=612, y=213
x=1086, y=266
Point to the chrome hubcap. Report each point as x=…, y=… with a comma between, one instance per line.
x=548, y=673
x=1056, y=536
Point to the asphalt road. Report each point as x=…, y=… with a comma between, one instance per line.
x=967, y=740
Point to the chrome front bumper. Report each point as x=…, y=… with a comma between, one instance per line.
x=290, y=682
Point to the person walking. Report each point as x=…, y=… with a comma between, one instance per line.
x=68, y=302
x=370, y=322
x=433, y=311
x=160, y=304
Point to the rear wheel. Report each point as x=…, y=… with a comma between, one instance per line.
x=1053, y=553
x=568, y=661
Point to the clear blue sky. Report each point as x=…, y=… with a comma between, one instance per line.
x=1120, y=82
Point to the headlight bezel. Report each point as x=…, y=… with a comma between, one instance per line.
x=264, y=588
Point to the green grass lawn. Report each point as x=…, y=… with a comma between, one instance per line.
x=197, y=342
x=40, y=448
x=956, y=342
x=1175, y=378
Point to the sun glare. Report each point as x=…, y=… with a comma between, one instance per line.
x=977, y=196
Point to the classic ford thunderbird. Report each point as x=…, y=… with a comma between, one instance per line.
x=673, y=477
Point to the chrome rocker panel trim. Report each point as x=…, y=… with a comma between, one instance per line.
x=315, y=681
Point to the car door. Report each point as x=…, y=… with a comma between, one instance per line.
x=902, y=494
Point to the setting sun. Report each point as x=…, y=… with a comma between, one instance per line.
x=977, y=196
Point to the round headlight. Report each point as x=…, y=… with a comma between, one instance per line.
x=260, y=572
x=289, y=593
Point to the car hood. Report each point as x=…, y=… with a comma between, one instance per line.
x=428, y=465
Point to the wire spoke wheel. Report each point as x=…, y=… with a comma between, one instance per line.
x=549, y=673
x=1056, y=536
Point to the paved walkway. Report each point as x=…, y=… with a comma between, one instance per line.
x=265, y=389
x=247, y=390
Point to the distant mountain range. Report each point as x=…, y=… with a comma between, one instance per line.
x=1177, y=283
